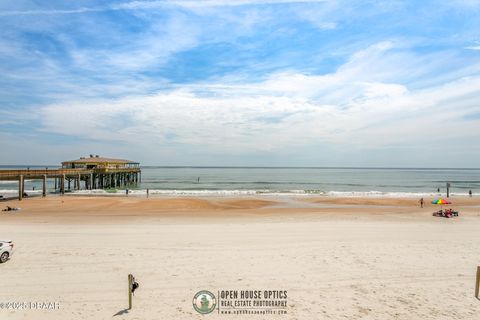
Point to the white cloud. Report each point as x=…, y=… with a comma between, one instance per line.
x=473, y=48
x=353, y=107
x=141, y=5
x=156, y=46
x=48, y=12
x=209, y=3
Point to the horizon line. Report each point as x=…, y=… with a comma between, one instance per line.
x=262, y=167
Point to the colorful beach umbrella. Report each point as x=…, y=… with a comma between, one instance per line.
x=441, y=201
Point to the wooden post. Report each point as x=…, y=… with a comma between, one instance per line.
x=130, y=285
x=90, y=183
x=62, y=184
x=20, y=187
x=56, y=187
x=477, y=283
x=78, y=181
x=44, y=185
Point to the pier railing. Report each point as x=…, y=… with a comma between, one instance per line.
x=51, y=173
x=38, y=173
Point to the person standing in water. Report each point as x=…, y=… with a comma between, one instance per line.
x=470, y=193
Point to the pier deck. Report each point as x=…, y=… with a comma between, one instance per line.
x=94, y=178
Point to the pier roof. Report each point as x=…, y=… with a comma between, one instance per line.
x=97, y=159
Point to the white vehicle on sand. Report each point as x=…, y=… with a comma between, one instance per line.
x=6, y=250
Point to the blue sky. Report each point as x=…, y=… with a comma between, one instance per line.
x=242, y=82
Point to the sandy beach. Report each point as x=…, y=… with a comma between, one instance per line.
x=338, y=258
x=239, y=160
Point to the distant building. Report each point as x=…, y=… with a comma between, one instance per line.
x=97, y=162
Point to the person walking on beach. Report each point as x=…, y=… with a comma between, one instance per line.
x=470, y=193
x=421, y=202
x=148, y=192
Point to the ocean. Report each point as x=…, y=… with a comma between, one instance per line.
x=217, y=181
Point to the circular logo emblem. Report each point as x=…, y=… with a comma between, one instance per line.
x=204, y=302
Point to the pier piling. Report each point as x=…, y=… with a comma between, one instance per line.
x=21, y=187
x=62, y=184
x=44, y=185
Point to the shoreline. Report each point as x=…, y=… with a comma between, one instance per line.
x=208, y=193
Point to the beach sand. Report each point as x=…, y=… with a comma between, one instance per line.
x=338, y=258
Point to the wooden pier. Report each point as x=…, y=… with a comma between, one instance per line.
x=98, y=176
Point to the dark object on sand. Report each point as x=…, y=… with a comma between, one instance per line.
x=135, y=286
x=11, y=209
x=448, y=213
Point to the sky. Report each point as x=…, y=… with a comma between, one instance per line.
x=241, y=82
